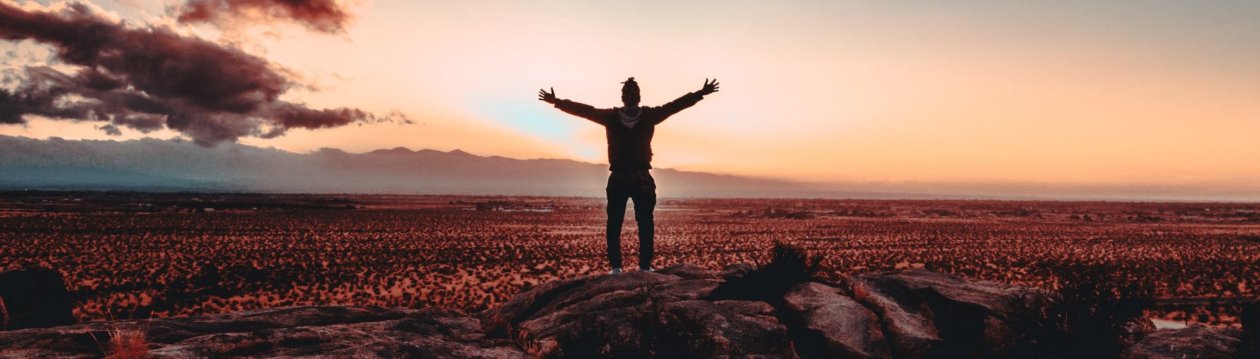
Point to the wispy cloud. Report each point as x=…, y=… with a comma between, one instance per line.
x=327, y=16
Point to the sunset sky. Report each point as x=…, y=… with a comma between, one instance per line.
x=1111, y=93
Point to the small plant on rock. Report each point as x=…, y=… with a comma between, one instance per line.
x=127, y=344
x=788, y=266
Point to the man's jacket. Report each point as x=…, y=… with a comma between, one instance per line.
x=629, y=149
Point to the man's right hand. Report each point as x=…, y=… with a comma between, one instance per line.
x=547, y=97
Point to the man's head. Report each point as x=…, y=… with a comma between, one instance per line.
x=630, y=93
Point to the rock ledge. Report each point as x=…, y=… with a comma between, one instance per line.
x=669, y=313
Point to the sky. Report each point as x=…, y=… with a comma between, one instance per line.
x=1065, y=93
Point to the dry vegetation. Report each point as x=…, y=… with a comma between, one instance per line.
x=142, y=255
x=126, y=344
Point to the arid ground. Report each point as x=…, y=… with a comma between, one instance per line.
x=139, y=255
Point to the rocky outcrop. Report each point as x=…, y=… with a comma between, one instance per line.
x=297, y=331
x=638, y=314
x=928, y=314
x=1190, y=342
x=675, y=312
x=834, y=325
x=910, y=314
x=907, y=322
x=726, y=328
x=33, y=298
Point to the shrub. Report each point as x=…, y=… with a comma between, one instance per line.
x=127, y=344
x=1251, y=330
x=4, y=315
x=788, y=266
x=1096, y=310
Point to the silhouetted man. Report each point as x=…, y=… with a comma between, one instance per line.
x=629, y=131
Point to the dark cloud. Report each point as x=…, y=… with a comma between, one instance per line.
x=149, y=77
x=45, y=92
x=110, y=129
x=319, y=15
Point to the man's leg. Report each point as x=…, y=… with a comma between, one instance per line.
x=644, y=205
x=616, y=214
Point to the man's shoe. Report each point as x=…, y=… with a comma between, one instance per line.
x=648, y=269
x=614, y=271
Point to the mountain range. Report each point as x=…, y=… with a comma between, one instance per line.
x=180, y=165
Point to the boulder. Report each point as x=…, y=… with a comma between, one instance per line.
x=33, y=298
x=1190, y=342
x=605, y=315
x=737, y=270
x=929, y=314
x=641, y=314
x=1136, y=329
x=834, y=325
x=673, y=312
x=598, y=286
x=496, y=321
x=721, y=329
x=906, y=320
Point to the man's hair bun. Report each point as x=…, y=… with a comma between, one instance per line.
x=630, y=84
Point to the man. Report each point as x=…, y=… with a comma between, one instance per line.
x=629, y=131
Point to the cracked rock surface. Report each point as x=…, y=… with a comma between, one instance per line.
x=298, y=331
x=670, y=313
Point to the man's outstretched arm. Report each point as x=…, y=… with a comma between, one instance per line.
x=687, y=100
x=571, y=107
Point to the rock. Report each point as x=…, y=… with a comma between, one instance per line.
x=1189, y=342
x=906, y=320
x=496, y=321
x=608, y=323
x=727, y=328
x=834, y=325
x=299, y=331
x=928, y=314
x=605, y=284
x=686, y=289
x=575, y=319
x=33, y=298
x=689, y=271
x=675, y=312
x=1135, y=330
x=737, y=270
x=642, y=314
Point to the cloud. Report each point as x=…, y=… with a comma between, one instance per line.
x=326, y=16
x=144, y=78
x=110, y=129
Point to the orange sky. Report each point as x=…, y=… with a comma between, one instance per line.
x=1142, y=92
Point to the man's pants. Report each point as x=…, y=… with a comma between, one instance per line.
x=639, y=186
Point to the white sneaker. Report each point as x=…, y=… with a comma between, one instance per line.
x=648, y=269
x=614, y=271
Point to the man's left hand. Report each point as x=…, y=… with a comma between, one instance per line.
x=709, y=87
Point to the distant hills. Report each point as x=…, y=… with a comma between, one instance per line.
x=179, y=165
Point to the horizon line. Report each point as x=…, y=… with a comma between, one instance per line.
x=889, y=189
